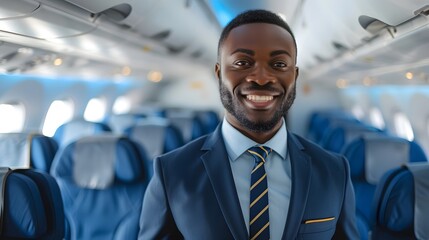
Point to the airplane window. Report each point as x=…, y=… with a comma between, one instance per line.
x=59, y=112
x=358, y=112
x=376, y=118
x=403, y=126
x=121, y=105
x=95, y=110
x=12, y=117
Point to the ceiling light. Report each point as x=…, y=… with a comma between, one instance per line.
x=367, y=81
x=58, y=61
x=154, y=76
x=341, y=83
x=126, y=71
x=409, y=75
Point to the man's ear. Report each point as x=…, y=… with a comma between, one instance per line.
x=296, y=72
x=217, y=71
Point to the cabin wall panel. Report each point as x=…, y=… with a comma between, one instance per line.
x=198, y=92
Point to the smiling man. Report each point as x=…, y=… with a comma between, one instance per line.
x=251, y=178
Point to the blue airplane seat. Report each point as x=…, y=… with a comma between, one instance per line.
x=370, y=156
x=320, y=121
x=188, y=123
x=156, y=136
x=75, y=129
x=210, y=120
x=341, y=133
x=43, y=150
x=102, y=179
x=400, y=208
x=119, y=122
x=30, y=205
x=27, y=150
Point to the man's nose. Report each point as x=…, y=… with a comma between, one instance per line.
x=261, y=76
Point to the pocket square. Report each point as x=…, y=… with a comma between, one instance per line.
x=318, y=220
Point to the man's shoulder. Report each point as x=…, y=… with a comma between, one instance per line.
x=187, y=151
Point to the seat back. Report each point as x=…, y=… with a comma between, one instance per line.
x=120, y=122
x=24, y=150
x=102, y=180
x=75, y=129
x=370, y=156
x=209, y=118
x=156, y=136
x=400, y=208
x=30, y=205
x=188, y=123
x=341, y=133
x=321, y=120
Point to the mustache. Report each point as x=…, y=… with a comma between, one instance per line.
x=256, y=87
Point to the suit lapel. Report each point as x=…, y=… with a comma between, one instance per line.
x=301, y=177
x=218, y=169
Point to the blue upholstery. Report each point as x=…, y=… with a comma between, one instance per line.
x=102, y=180
x=120, y=122
x=42, y=150
x=33, y=207
x=188, y=123
x=400, y=208
x=341, y=133
x=210, y=120
x=75, y=129
x=321, y=120
x=156, y=136
x=358, y=152
x=24, y=150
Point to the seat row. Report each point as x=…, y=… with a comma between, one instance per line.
x=156, y=134
x=94, y=190
x=85, y=179
x=378, y=163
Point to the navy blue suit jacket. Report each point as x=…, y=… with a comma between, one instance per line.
x=192, y=194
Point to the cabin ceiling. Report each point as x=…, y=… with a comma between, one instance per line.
x=177, y=38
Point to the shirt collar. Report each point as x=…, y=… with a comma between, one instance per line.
x=236, y=143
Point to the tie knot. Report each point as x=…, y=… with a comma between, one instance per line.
x=260, y=153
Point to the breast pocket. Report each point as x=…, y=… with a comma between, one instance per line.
x=319, y=228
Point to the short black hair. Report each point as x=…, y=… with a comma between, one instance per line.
x=253, y=16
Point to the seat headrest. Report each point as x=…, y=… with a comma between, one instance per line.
x=15, y=150
x=342, y=133
x=120, y=122
x=150, y=135
x=420, y=173
x=27, y=150
x=97, y=162
x=73, y=130
x=382, y=154
x=370, y=156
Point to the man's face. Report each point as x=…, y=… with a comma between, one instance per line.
x=257, y=74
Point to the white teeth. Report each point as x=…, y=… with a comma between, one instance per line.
x=257, y=98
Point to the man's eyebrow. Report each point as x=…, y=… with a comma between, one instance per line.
x=243, y=50
x=279, y=52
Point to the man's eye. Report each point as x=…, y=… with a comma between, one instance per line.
x=279, y=65
x=242, y=63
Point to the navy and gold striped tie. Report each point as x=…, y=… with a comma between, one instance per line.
x=259, y=217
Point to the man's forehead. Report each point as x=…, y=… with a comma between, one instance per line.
x=257, y=28
x=253, y=34
x=258, y=31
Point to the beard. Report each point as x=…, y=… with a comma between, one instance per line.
x=234, y=109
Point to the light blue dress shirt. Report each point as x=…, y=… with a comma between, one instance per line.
x=278, y=171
